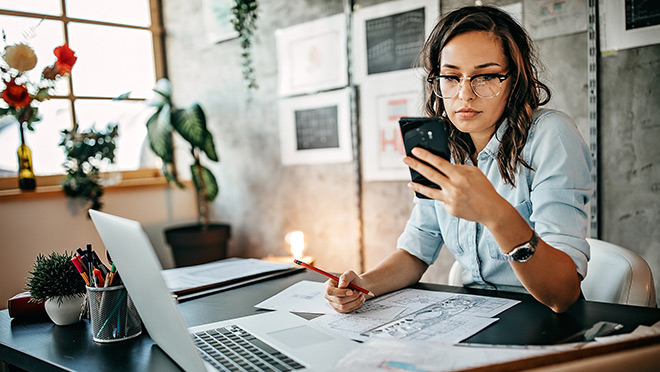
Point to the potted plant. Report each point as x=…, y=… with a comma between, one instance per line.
x=203, y=241
x=85, y=153
x=56, y=281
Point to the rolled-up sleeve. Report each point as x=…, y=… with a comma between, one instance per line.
x=561, y=186
x=422, y=236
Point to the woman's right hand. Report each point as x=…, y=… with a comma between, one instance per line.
x=341, y=298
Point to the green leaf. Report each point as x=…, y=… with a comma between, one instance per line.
x=209, y=148
x=210, y=184
x=191, y=124
x=159, y=130
x=122, y=96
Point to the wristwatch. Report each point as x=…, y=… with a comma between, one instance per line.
x=524, y=252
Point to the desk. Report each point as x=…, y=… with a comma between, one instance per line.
x=43, y=346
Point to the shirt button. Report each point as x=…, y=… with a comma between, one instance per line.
x=483, y=157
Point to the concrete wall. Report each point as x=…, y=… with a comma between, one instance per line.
x=629, y=152
x=264, y=200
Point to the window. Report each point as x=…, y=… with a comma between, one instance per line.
x=119, y=48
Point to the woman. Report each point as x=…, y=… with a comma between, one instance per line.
x=512, y=203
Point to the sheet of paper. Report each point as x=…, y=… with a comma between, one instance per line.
x=304, y=297
x=218, y=272
x=388, y=355
x=415, y=314
x=412, y=314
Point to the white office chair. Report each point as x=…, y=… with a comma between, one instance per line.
x=618, y=275
x=456, y=274
x=615, y=275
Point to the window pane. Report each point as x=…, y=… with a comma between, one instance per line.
x=47, y=155
x=51, y=7
x=129, y=12
x=132, y=149
x=111, y=61
x=43, y=37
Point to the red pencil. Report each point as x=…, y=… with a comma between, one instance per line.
x=353, y=286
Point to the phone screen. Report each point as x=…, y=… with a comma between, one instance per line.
x=429, y=134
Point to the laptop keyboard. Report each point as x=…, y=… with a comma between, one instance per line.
x=232, y=348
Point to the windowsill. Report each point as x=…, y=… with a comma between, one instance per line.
x=49, y=186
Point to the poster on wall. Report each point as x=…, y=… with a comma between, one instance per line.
x=217, y=20
x=316, y=129
x=382, y=102
x=626, y=24
x=552, y=18
x=311, y=57
x=388, y=37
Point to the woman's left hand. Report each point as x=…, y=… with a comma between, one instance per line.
x=465, y=190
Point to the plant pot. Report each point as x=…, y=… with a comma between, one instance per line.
x=67, y=312
x=193, y=245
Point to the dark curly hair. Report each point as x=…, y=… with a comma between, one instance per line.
x=527, y=92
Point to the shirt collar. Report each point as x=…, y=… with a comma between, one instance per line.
x=494, y=144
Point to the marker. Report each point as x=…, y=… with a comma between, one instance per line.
x=353, y=286
x=110, y=277
x=98, y=278
x=82, y=272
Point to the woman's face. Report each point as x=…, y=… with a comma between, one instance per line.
x=467, y=55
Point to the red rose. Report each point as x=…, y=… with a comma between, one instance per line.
x=66, y=58
x=16, y=95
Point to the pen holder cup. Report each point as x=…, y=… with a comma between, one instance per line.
x=112, y=314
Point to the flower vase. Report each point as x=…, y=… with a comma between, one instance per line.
x=64, y=311
x=26, y=180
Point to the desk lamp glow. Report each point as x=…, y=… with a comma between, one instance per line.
x=296, y=242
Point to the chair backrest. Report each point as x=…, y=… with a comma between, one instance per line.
x=618, y=275
x=615, y=275
x=456, y=274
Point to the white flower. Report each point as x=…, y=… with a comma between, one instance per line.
x=20, y=57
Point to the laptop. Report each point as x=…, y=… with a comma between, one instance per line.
x=277, y=340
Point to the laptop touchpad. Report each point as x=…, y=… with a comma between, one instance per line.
x=300, y=336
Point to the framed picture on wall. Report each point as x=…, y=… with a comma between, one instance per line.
x=382, y=102
x=217, y=20
x=626, y=24
x=315, y=129
x=311, y=57
x=388, y=37
x=547, y=19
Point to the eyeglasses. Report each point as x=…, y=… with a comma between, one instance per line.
x=484, y=85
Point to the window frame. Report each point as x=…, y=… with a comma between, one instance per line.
x=141, y=177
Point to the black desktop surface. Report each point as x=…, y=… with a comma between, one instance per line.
x=43, y=346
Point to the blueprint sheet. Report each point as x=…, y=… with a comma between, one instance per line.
x=407, y=314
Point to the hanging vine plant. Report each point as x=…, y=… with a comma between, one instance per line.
x=245, y=23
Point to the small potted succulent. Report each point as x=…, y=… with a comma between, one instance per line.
x=55, y=281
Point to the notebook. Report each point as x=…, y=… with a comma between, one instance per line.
x=281, y=340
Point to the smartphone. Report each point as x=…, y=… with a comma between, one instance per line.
x=429, y=134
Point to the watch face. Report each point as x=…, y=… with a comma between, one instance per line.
x=522, y=254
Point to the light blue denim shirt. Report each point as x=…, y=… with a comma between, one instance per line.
x=552, y=198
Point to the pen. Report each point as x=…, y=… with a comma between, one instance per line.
x=79, y=267
x=90, y=264
x=353, y=286
x=99, y=264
